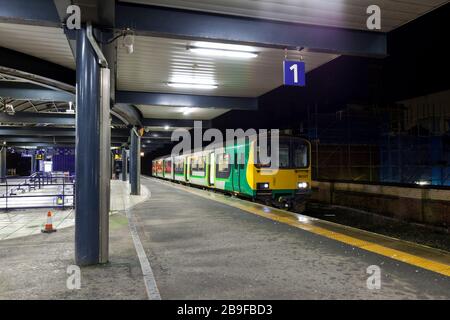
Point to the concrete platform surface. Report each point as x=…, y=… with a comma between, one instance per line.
x=35, y=267
x=203, y=249
x=21, y=223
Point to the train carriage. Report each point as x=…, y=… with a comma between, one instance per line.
x=237, y=169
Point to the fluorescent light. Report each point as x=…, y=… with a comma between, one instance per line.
x=223, y=50
x=223, y=46
x=223, y=53
x=187, y=110
x=192, y=85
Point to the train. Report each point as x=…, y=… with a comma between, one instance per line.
x=235, y=168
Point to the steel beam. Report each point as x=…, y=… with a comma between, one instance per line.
x=42, y=118
x=173, y=123
x=29, y=91
x=32, y=68
x=38, y=118
x=186, y=100
x=124, y=164
x=197, y=25
x=3, y=171
x=54, y=140
x=50, y=132
x=49, y=145
x=128, y=112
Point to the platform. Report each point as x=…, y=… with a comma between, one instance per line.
x=185, y=243
x=205, y=249
x=34, y=265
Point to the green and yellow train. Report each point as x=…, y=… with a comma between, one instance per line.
x=236, y=169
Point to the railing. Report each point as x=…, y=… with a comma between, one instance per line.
x=40, y=190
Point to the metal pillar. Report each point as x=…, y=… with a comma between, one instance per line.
x=135, y=163
x=124, y=164
x=3, y=172
x=92, y=156
x=33, y=163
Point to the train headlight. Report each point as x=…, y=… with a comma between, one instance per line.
x=302, y=185
x=263, y=185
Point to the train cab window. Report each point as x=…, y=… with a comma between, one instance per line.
x=284, y=155
x=293, y=153
x=223, y=166
x=300, y=154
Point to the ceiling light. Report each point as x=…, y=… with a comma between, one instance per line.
x=166, y=127
x=223, y=46
x=184, y=85
x=223, y=53
x=187, y=110
x=223, y=50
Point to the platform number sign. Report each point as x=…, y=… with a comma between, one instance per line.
x=294, y=73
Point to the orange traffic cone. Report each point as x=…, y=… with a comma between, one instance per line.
x=48, y=228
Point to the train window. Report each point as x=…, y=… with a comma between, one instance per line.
x=223, y=166
x=260, y=153
x=284, y=155
x=179, y=166
x=198, y=166
x=168, y=166
x=201, y=163
x=300, y=154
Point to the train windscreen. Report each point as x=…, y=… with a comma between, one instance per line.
x=293, y=154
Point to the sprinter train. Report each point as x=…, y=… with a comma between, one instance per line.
x=235, y=169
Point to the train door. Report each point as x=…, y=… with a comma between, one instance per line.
x=236, y=179
x=238, y=171
x=187, y=166
x=212, y=168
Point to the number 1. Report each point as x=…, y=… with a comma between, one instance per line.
x=294, y=67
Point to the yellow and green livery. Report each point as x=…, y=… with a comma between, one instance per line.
x=236, y=168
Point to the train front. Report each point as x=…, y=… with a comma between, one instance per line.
x=289, y=185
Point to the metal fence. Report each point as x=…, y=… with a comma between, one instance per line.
x=40, y=190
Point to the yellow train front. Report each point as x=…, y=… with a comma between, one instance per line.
x=289, y=185
x=238, y=168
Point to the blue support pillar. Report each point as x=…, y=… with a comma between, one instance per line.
x=124, y=164
x=92, y=152
x=33, y=163
x=135, y=163
x=3, y=172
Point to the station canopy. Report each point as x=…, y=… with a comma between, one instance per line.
x=165, y=60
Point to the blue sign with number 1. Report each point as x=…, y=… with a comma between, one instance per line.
x=294, y=73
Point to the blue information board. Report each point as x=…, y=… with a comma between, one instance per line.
x=294, y=73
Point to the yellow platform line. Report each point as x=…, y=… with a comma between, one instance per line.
x=286, y=217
